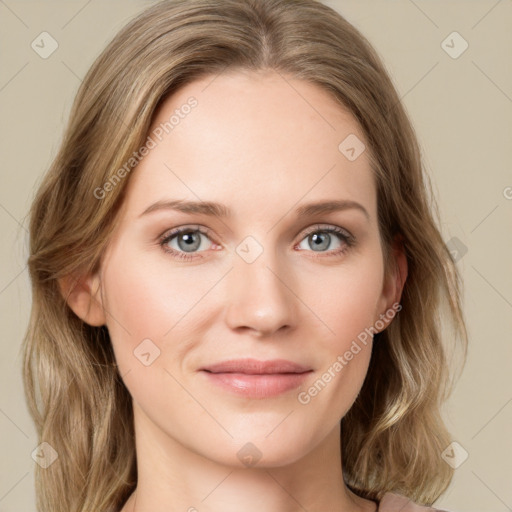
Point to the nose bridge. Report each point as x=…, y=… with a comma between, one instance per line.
x=258, y=295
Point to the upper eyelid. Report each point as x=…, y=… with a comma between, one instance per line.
x=322, y=227
x=186, y=227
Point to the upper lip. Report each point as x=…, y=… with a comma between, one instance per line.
x=256, y=367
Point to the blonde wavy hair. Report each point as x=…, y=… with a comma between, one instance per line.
x=393, y=435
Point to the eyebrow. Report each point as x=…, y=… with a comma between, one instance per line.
x=221, y=211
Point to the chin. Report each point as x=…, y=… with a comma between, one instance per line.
x=258, y=451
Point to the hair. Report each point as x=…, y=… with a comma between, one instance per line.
x=393, y=435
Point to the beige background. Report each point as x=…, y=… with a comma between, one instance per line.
x=462, y=110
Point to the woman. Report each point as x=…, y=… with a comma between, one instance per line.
x=238, y=280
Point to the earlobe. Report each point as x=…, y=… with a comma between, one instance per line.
x=83, y=296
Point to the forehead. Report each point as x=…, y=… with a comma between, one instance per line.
x=254, y=141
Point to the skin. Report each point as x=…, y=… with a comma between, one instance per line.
x=262, y=148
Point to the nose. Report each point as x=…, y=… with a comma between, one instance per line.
x=260, y=297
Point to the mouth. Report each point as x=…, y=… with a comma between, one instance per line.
x=256, y=367
x=257, y=379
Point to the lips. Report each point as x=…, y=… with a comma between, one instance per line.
x=252, y=378
x=256, y=367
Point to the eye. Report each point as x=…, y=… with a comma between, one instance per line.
x=183, y=243
x=321, y=239
x=186, y=242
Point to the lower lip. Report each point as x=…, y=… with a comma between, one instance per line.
x=258, y=386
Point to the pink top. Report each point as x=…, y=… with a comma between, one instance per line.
x=392, y=502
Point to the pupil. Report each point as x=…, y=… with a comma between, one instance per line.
x=189, y=241
x=319, y=240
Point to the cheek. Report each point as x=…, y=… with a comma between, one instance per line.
x=349, y=307
x=349, y=298
x=158, y=302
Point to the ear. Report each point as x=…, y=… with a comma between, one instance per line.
x=395, y=278
x=83, y=296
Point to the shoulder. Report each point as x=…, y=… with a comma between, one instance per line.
x=392, y=502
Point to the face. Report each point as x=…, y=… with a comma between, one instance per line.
x=267, y=277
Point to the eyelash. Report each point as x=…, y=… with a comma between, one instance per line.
x=345, y=237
